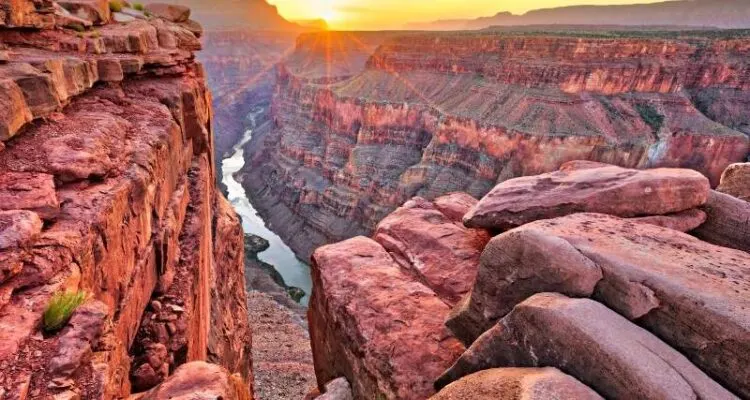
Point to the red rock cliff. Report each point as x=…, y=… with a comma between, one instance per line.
x=433, y=113
x=107, y=186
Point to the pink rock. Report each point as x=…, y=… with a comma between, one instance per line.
x=29, y=191
x=441, y=253
x=18, y=228
x=517, y=384
x=607, y=190
x=684, y=221
x=78, y=339
x=593, y=344
x=376, y=325
x=455, y=205
x=96, y=11
x=727, y=223
x=691, y=294
x=202, y=379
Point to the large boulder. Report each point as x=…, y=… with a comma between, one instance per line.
x=375, y=324
x=95, y=11
x=597, y=188
x=437, y=248
x=169, y=12
x=728, y=222
x=684, y=221
x=736, y=181
x=200, y=380
x=590, y=342
x=517, y=384
x=690, y=293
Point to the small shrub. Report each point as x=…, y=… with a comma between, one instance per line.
x=77, y=27
x=139, y=6
x=115, y=5
x=651, y=116
x=60, y=308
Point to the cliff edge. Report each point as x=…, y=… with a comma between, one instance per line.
x=107, y=189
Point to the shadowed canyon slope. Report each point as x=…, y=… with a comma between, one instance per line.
x=361, y=122
x=713, y=13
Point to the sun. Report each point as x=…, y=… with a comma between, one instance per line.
x=329, y=14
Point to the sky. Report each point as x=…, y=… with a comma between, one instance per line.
x=394, y=14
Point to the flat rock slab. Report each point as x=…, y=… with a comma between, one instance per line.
x=594, y=188
x=18, y=228
x=29, y=191
x=728, y=222
x=95, y=11
x=169, y=12
x=590, y=342
x=376, y=325
x=517, y=384
x=684, y=221
x=442, y=253
x=692, y=294
x=736, y=181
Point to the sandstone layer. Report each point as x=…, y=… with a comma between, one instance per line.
x=423, y=114
x=107, y=141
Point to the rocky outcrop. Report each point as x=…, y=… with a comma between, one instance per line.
x=378, y=306
x=431, y=113
x=517, y=384
x=108, y=176
x=622, y=307
x=727, y=222
x=630, y=362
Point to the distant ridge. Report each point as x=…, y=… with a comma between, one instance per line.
x=725, y=14
x=255, y=15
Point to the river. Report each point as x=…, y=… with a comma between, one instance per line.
x=295, y=272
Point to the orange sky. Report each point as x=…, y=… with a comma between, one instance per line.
x=394, y=14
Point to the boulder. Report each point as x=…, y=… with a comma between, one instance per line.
x=736, y=181
x=684, y=221
x=728, y=222
x=200, y=380
x=96, y=11
x=590, y=342
x=18, y=228
x=376, y=325
x=594, y=188
x=517, y=384
x=78, y=339
x=29, y=191
x=337, y=389
x=169, y=12
x=443, y=254
x=690, y=293
x=455, y=205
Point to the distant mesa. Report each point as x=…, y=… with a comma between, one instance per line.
x=728, y=14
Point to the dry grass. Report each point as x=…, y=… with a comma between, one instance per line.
x=60, y=308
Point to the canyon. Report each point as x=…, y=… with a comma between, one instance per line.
x=362, y=122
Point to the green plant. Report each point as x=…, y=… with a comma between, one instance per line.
x=139, y=6
x=115, y=5
x=77, y=27
x=651, y=116
x=60, y=308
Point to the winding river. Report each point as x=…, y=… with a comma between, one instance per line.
x=295, y=272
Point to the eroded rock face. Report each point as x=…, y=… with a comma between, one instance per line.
x=592, y=343
x=651, y=275
x=517, y=384
x=115, y=184
x=735, y=181
x=684, y=221
x=605, y=189
x=433, y=113
x=375, y=325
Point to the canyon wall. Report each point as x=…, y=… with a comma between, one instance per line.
x=382, y=118
x=107, y=188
